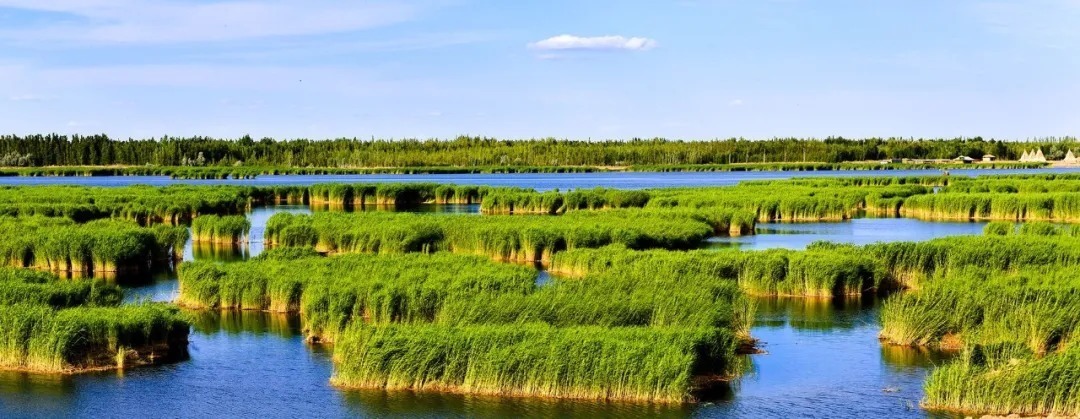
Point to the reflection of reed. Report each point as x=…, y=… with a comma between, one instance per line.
x=419, y=208
x=224, y=252
x=47, y=389
x=254, y=322
x=904, y=357
x=806, y=313
x=124, y=277
x=381, y=403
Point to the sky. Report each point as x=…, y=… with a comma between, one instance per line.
x=578, y=69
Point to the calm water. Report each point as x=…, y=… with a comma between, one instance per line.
x=858, y=231
x=822, y=359
x=539, y=181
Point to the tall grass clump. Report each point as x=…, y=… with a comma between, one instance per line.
x=999, y=228
x=97, y=246
x=1000, y=380
x=329, y=293
x=519, y=238
x=1032, y=307
x=822, y=272
x=23, y=286
x=38, y=338
x=228, y=229
x=530, y=360
x=913, y=263
x=145, y=205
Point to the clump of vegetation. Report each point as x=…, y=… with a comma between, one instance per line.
x=42, y=339
x=330, y=292
x=227, y=229
x=817, y=272
x=654, y=364
x=52, y=325
x=1001, y=380
x=100, y=246
x=519, y=238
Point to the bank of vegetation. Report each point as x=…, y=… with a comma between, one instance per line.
x=220, y=229
x=444, y=322
x=468, y=152
x=101, y=246
x=508, y=238
x=52, y=325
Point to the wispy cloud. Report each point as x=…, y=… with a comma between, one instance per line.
x=735, y=102
x=173, y=21
x=594, y=43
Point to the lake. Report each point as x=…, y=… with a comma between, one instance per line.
x=822, y=358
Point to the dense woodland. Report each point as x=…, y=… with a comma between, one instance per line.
x=61, y=150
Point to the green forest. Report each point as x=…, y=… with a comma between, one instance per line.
x=101, y=150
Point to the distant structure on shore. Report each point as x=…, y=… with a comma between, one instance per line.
x=1070, y=158
x=1036, y=156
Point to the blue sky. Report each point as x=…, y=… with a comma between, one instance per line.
x=521, y=69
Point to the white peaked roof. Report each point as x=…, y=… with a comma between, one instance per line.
x=1025, y=156
x=1038, y=156
x=1069, y=157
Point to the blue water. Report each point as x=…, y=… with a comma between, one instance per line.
x=539, y=181
x=858, y=231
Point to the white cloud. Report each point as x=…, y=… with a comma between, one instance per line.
x=735, y=102
x=597, y=43
x=173, y=21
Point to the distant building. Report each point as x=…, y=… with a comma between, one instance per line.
x=964, y=159
x=989, y=157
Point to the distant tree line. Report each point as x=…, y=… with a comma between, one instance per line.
x=94, y=150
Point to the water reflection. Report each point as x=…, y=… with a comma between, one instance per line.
x=822, y=359
x=381, y=404
x=420, y=208
x=222, y=252
x=254, y=322
x=858, y=231
x=905, y=358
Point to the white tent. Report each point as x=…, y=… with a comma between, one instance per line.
x=1070, y=158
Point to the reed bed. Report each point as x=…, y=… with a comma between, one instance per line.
x=1051, y=206
x=799, y=199
x=399, y=194
x=509, y=201
x=54, y=325
x=23, y=286
x=511, y=238
x=912, y=264
x=820, y=272
x=146, y=205
x=220, y=229
x=531, y=360
x=1034, y=307
x=330, y=292
x=99, y=246
x=684, y=326
x=38, y=338
x=1001, y=381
